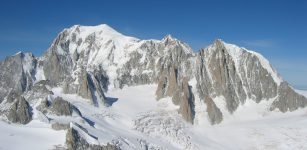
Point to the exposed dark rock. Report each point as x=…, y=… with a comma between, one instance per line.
x=20, y=111
x=58, y=65
x=85, y=90
x=91, y=88
x=187, y=104
x=214, y=113
x=61, y=107
x=43, y=106
x=219, y=75
x=12, y=96
x=288, y=99
x=177, y=87
x=75, y=142
x=14, y=77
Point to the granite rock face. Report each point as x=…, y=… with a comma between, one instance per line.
x=43, y=106
x=75, y=142
x=233, y=73
x=57, y=65
x=12, y=96
x=88, y=61
x=19, y=111
x=238, y=75
x=288, y=99
x=17, y=74
x=214, y=113
x=187, y=104
x=60, y=107
x=172, y=85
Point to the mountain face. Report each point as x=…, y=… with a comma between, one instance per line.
x=88, y=61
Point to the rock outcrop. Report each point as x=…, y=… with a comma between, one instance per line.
x=44, y=106
x=60, y=107
x=17, y=73
x=57, y=64
x=39, y=91
x=75, y=142
x=288, y=99
x=214, y=113
x=19, y=111
x=171, y=85
x=187, y=104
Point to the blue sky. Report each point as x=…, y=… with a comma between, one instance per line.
x=275, y=28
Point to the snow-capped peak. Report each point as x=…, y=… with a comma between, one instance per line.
x=168, y=38
x=171, y=41
x=20, y=52
x=102, y=29
x=236, y=53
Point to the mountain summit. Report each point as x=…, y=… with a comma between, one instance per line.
x=84, y=64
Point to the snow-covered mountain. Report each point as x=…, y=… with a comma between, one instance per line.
x=110, y=91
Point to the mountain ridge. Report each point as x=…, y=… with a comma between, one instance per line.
x=89, y=61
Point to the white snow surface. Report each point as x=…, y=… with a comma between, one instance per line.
x=135, y=120
x=35, y=135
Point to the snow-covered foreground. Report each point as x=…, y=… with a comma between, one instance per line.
x=35, y=135
x=135, y=120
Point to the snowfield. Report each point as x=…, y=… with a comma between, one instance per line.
x=136, y=120
x=35, y=135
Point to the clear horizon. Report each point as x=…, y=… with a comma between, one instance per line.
x=276, y=29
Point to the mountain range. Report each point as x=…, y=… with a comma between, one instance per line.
x=95, y=88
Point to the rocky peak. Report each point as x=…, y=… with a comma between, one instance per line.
x=174, y=44
x=86, y=60
x=168, y=39
x=17, y=73
x=218, y=43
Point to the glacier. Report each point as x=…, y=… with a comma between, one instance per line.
x=95, y=88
